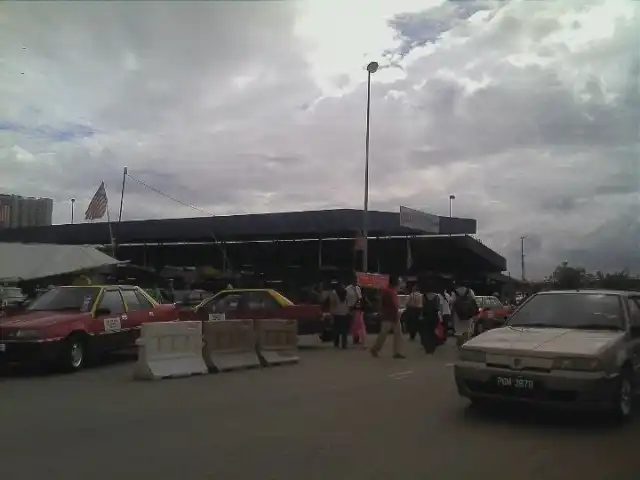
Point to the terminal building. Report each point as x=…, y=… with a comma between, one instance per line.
x=297, y=246
x=20, y=212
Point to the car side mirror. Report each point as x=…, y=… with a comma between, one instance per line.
x=100, y=311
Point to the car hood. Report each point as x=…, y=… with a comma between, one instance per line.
x=545, y=341
x=37, y=319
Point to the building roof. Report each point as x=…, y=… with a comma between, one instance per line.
x=253, y=227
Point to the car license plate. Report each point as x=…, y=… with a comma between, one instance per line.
x=515, y=382
x=3, y=347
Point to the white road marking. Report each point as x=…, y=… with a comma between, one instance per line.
x=400, y=375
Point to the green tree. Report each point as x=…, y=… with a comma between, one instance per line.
x=567, y=277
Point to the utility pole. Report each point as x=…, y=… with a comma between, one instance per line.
x=522, y=257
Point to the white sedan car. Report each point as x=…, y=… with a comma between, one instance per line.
x=564, y=348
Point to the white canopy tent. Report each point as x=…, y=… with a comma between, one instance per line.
x=30, y=261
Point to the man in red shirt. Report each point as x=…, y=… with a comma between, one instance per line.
x=390, y=317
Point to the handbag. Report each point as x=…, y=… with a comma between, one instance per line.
x=440, y=332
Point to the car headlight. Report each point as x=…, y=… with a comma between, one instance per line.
x=578, y=364
x=467, y=355
x=26, y=334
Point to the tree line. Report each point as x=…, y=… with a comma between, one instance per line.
x=570, y=277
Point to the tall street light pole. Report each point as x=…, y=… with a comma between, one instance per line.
x=371, y=68
x=522, y=257
x=73, y=208
x=451, y=199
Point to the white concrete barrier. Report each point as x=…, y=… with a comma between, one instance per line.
x=277, y=341
x=229, y=345
x=169, y=349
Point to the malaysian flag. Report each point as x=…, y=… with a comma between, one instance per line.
x=98, y=206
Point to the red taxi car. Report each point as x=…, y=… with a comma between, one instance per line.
x=64, y=325
x=258, y=304
x=492, y=314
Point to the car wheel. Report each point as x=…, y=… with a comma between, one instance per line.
x=623, y=401
x=74, y=353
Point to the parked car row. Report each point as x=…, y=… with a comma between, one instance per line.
x=67, y=326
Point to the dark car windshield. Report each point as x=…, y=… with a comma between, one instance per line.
x=79, y=299
x=571, y=310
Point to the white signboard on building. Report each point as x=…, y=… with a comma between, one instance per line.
x=417, y=220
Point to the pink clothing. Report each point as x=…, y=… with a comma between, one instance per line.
x=358, y=328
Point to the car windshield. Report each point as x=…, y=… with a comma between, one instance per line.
x=79, y=299
x=402, y=301
x=589, y=311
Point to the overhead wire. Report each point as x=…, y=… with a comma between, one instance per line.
x=185, y=204
x=166, y=195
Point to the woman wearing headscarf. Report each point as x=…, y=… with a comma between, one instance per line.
x=340, y=313
x=431, y=317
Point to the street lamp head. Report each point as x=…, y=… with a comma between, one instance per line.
x=452, y=197
x=73, y=200
x=372, y=67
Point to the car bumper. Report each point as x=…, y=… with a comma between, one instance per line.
x=29, y=352
x=589, y=390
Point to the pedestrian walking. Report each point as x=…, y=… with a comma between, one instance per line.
x=413, y=311
x=431, y=318
x=340, y=313
x=447, y=319
x=354, y=303
x=390, y=320
x=464, y=307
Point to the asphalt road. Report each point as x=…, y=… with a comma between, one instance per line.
x=336, y=415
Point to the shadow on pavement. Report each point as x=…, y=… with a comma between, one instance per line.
x=539, y=417
x=23, y=371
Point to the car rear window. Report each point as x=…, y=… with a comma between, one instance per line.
x=571, y=310
x=78, y=299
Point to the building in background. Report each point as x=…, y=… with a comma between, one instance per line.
x=17, y=211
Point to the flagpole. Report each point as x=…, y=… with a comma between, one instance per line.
x=124, y=181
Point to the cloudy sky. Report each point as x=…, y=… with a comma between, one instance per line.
x=528, y=112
